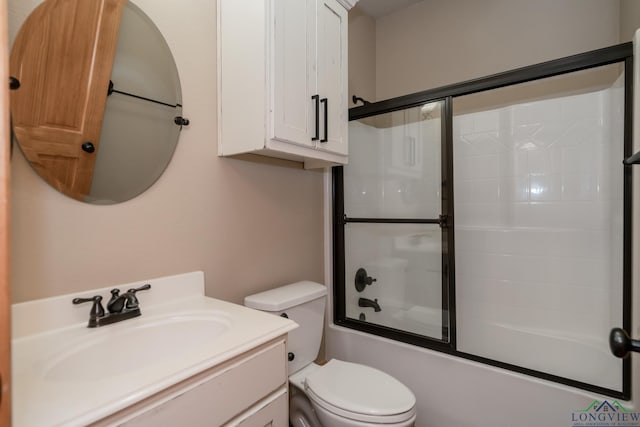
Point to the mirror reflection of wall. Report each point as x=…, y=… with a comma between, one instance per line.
x=71, y=95
x=140, y=136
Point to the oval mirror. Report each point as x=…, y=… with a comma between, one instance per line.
x=98, y=110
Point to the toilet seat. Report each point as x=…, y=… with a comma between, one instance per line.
x=360, y=393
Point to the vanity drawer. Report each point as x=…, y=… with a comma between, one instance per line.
x=216, y=396
x=271, y=412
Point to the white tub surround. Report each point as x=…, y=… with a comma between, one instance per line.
x=67, y=374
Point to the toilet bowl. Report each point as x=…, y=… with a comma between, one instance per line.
x=338, y=393
x=345, y=394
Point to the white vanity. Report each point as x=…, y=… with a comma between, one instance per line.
x=187, y=360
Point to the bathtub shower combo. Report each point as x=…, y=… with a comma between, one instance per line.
x=491, y=220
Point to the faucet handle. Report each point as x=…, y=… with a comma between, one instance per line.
x=132, y=300
x=97, y=310
x=144, y=287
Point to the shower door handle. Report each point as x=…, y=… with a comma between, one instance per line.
x=620, y=343
x=632, y=160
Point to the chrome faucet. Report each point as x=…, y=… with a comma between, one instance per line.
x=120, y=306
x=366, y=302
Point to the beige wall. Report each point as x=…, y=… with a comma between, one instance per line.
x=249, y=226
x=629, y=19
x=437, y=42
x=362, y=56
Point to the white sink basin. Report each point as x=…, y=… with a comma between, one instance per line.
x=120, y=351
x=65, y=374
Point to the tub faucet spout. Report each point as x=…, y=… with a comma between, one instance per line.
x=366, y=302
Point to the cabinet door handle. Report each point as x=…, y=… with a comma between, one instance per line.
x=325, y=101
x=317, y=99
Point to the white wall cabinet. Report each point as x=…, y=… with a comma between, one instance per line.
x=282, y=80
x=248, y=390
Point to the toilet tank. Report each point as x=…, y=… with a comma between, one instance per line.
x=302, y=302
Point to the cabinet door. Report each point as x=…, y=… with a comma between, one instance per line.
x=213, y=399
x=332, y=76
x=271, y=412
x=293, y=112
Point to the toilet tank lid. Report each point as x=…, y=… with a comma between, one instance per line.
x=285, y=297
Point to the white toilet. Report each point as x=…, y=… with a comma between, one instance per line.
x=337, y=394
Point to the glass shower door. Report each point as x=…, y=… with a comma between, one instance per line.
x=539, y=203
x=395, y=238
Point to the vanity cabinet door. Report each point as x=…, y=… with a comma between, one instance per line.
x=294, y=78
x=239, y=392
x=271, y=412
x=332, y=76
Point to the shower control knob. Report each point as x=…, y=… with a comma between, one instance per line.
x=291, y=356
x=362, y=279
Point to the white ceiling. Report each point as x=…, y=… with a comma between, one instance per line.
x=378, y=8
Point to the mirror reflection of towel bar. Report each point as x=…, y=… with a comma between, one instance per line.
x=179, y=120
x=112, y=90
